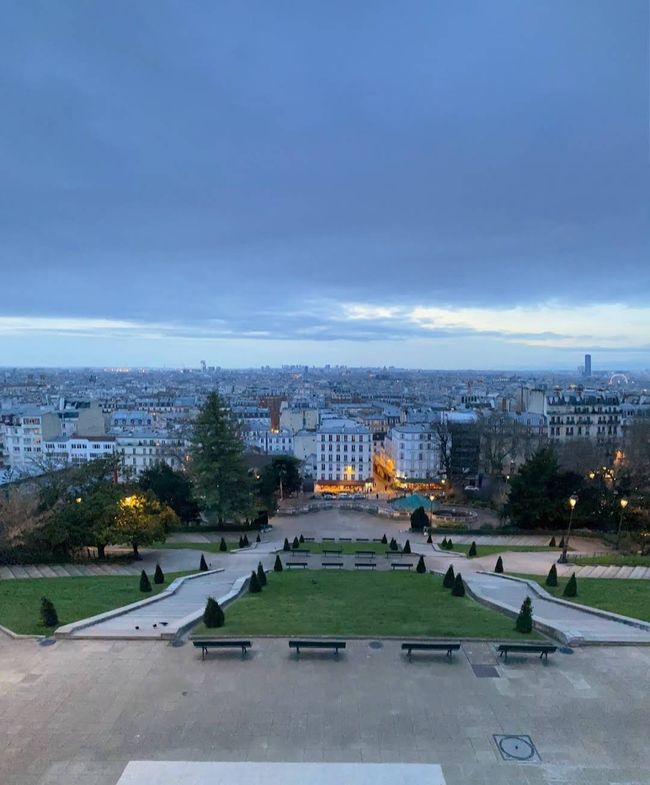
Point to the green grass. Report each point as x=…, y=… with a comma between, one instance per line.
x=73, y=598
x=346, y=547
x=206, y=547
x=488, y=550
x=624, y=596
x=615, y=560
x=320, y=602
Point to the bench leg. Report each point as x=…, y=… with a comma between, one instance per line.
x=203, y=651
x=449, y=653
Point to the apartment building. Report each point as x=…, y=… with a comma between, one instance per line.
x=24, y=429
x=140, y=450
x=76, y=450
x=413, y=452
x=343, y=454
x=581, y=414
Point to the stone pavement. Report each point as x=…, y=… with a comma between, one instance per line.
x=77, y=712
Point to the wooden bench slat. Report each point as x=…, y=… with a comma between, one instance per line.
x=448, y=646
x=543, y=649
x=297, y=645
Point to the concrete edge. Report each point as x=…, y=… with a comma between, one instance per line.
x=544, y=595
x=67, y=630
x=17, y=636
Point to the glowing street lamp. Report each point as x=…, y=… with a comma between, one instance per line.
x=573, y=500
x=623, y=503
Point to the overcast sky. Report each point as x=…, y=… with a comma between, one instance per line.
x=427, y=184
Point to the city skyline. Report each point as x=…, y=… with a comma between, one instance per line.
x=359, y=186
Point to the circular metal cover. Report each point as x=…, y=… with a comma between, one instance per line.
x=47, y=642
x=516, y=747
x=376, y=645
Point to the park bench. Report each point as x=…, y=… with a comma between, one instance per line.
x=401, y=565
x=377, y=539
x=362, y=539
x=302, y=564
x=301, y=551
x=328, y=539
x=543, y=649
x=395, y=554
x=327, y=564
x=447, y=646
x=345, y=539
x=365, y=553
x=309, y=539
x=332, y=551
x=297, y=645
x=362, y=564
x=204, y=645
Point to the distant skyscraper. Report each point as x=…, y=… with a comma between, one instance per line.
x=587, y=365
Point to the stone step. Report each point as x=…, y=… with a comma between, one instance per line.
x=638, y=572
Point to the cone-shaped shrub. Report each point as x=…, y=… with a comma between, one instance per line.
x=159, y=575
x=551, y=578
x=450, y=544
x=571, y=589
x=213, y=615
x=145, y=584
x=384, y=540
x=498, y=567
x=277, y=567
x=261, y=575
x=561, y=543
x=524, y=621
x=254, y=585
x=203, y=565
x=407, y=547
x=246, y=543
x=421, y=566
x=471, y=553
x=222, y=545
x=393, y=544
x=448, y=580
x=301, y=539
x=286, y=546
x=458, y=589
x=551, y=543
x=258, y=538
x=429, y=539
x=443, y=544
x=241, y=541
x=295, y=543
x=49, y=615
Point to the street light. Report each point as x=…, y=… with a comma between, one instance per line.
x=431, y=499
x=623, y=503
x=573, y=500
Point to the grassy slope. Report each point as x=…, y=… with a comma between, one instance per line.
x=615, y=559
x=487, y=550
x=206, y=547
x=628, y=597
x=318, y=602
x=73, y=598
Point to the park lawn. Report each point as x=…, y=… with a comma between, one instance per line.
x=346, y=547
x=73, y=598
x=618, y=595
x=377, y=604
x=206, y=547
x=488, y=550
x=614, y=560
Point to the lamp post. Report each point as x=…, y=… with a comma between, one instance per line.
x=431, y=499
x=623, y=503
x=573, y=500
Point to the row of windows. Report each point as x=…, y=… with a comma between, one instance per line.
x=352, y=438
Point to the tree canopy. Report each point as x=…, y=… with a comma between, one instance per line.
x=173, y=488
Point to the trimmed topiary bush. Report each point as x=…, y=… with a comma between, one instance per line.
x=241, y=541
x=471, y=553
x=571, y=589
x=296, y=543
x=561, y=543
x=286, y=546
x=443, y=544
x=49, y=616
x=384, y=540
x=261, y=575
x=159, y=575
x=258, y=539
x=213, y=615
x=421, y=566
x=145, y=584
x=301, y=539
x=458, y=589
x=393, y=544
x=246, y=543
x=203, y=565
x=551, y=578
x=254, y=585
x=222, y=545
x=498, y=567
x=448, y=580
x=407, y=547
x=419, y=519
x=450, y=544
x=277, y=567
x=551, y=543
x=524, y=621
x=429, y=539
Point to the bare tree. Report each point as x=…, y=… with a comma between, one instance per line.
x=441, y=429
x=20, y=515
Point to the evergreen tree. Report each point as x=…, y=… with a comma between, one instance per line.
x=551, y=543
x=213, y=615
x=561, y=544
x=296, y=543
x=49, y=615
x=203, y=565
x=258, y=539
x=407, y=547
x=393, y=544
x=524, y=621
x=280, y=478
x=498, y=567
x=429, y=539
x=551, y=578
x=173, y=488
x=217, y=463
x=471, y=553
x=384, y=540
x=159, y=575
x=443, y=544
x=277, y=567
x=286, y=546
x=241, y=541
x=448, y=580
x=222, y=545
x=246, y=543
x=261, y=575
x=254, y=586
x=571, y=589
x=145, y=584
x=458, y=589
x=421, y=566
x=450, y=544
x=301, y=539
x=419, y=519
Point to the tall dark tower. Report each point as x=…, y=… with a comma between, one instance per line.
x=587, y=365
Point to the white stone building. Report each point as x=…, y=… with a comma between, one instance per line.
x=343, y=454
x=25, y=428
x=78, y=449
x=580, y=414
x=413, y=452
x=140, y=450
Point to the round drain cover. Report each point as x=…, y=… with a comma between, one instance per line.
x=177, y=643
x=376, y=645
x=566, y=650
x=47, y=642
x=516, y=747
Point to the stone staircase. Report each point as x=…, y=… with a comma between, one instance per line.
x=66, y=570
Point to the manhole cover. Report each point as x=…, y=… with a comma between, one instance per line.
x=485, y=672
x=177, y=643
x=566, y=650
x=517, y=748
x=47, y=642
x=376, y=645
